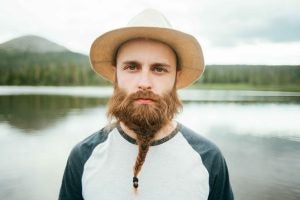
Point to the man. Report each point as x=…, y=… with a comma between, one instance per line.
x=144, y=153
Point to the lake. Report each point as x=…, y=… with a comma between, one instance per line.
x=257, y=131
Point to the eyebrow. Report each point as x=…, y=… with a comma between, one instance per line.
x=162, y=64
x=131, y=62
x=138, y=63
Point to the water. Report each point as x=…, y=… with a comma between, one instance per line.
x=260, y=139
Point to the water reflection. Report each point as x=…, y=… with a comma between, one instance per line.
x=36, y=112
x=259, y=141
x=261, y=167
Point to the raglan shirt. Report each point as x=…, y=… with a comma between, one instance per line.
x=183, y=165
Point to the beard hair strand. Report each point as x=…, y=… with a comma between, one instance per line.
x=144, y=120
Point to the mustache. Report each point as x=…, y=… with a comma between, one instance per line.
x=141, y=94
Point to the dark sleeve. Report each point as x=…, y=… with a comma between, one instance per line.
x=220, y=188
x=71, y=188
x=213, y=160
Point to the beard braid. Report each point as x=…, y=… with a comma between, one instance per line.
x=144, y=120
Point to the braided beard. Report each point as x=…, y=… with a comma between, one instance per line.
x=144, y=119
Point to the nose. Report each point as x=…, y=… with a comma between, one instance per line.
x=145, y=82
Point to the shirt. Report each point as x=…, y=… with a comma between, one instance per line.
x=183, y=165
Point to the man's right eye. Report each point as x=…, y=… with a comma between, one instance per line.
x=130, y=67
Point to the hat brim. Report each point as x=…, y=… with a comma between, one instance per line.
x=187, y=48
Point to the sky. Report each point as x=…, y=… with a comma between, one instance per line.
x=229, y=31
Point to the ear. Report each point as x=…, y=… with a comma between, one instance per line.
x=178, y=74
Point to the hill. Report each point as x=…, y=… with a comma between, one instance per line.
x=32, y=44
x=33, y=60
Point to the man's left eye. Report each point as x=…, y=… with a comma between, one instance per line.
x=160, y=69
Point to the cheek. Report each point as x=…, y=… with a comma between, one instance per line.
x=171, y=80
x=164, y=86
x=125, y=83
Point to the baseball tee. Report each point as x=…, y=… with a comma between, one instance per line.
x=184, y=165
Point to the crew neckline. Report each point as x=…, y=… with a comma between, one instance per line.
x=155, y=142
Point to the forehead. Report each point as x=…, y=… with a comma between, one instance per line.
x=146, y=48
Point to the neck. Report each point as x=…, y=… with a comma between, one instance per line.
x=163, y=132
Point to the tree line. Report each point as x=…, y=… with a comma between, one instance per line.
x=69, y=68
x=252, y=74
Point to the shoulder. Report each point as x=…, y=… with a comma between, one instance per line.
x=84, y=149
x=210, y=154
x=214, y=162
x=199, y=143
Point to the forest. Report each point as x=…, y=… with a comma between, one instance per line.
x=70, y=69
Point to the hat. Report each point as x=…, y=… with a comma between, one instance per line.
x=149, y=24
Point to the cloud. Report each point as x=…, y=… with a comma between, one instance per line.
x=222, y=26
x=279, y=29
x=256, y=53
x=231, y=22
x=221, y=22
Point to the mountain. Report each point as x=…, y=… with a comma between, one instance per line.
x=31, y=50
x=33, y=60
x=32, y=44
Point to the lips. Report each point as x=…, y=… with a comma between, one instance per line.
x=144, y=101
x=144, y=97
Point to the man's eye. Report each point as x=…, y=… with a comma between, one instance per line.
x=160, y=69
x=130, y=67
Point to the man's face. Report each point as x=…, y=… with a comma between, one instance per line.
x=145, y=97
x=145, y=65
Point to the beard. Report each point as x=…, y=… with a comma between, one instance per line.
x=144, y=119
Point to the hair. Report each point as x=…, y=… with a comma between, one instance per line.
x=145, y=121
x=144, y=143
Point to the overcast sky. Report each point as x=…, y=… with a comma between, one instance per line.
x=229, y=31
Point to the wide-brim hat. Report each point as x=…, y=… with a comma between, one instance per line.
x=149, y=24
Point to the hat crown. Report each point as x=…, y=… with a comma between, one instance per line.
x=149, y=18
